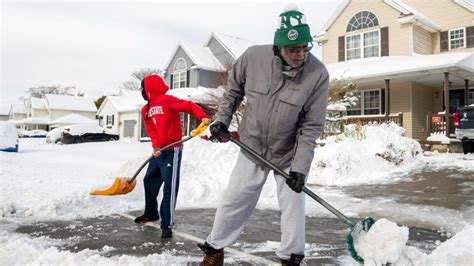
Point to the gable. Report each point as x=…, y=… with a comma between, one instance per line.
x=178, y=53
x=220, y=52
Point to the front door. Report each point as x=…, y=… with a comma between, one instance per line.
x=456, y=100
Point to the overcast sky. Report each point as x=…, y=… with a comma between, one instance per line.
x=95, y=45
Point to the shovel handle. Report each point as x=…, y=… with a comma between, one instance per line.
x=306, y=190
x=194, y=133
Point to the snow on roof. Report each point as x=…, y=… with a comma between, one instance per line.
x=202, y=57
x=127, y=101
x=66, y=102
x=18, y=108
x=38, y=103
x=200, y=95
x=73, y=119
x=234, y=45
x=33, y=121
x=5, y=109
x=376, y=67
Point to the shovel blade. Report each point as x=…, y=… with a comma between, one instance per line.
x=119, y=187
x=356, y=231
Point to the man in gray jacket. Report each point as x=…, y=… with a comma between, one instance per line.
x=286, y=90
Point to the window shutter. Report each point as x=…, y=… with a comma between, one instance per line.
x=171, y=81
x=113, y=120
x=342, y=48
x=443, y=38
x=470, y=37
x=384, y=41
x=187, y=78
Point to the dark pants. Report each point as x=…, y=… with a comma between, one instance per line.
x=165, y=169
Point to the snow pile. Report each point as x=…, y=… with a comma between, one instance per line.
x=8, y=135
x=362, y=154
x=385, y=243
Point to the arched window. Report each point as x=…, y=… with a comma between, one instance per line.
x=363, y=44
x=362, y=20
x=179, y=73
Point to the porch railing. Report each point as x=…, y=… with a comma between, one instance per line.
x=335, y=121
x=436, y=124
x=395, y=118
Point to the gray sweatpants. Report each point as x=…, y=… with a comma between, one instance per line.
x=239, y=200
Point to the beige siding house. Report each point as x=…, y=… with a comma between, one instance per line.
x=406, y=57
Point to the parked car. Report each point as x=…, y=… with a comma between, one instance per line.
x=464, y=123
x=86, y=133
x=55, y=135
x=36, y=133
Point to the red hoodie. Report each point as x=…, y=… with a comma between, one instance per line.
x=163, y=123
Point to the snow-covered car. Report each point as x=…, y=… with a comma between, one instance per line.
x=9, y=137
x=54, y=136
x=37, y=133
x=86, y=133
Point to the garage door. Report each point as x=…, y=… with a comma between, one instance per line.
x=129, y=128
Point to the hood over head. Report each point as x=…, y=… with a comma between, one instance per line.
x=153, y=86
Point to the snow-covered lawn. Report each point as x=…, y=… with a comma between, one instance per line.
x=48, y=182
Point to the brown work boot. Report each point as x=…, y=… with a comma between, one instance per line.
x=212, y=257
x=294, y=260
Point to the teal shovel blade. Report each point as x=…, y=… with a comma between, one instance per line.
x=363, y=225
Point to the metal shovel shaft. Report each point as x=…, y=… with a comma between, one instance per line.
x=306, y=190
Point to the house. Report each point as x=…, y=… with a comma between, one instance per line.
x=37, y=108
x=4, y=112
x=121, y=114
x=17, y=111
x=62, y=105
x=193, y=66
x=411, y=60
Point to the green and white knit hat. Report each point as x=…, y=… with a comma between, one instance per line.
x=292, y=28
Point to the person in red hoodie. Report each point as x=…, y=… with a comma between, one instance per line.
x=161, y=116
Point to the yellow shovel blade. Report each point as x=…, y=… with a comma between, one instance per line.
x=119, y=187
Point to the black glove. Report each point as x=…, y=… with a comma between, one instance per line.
x=219, y=132
x=296, y=182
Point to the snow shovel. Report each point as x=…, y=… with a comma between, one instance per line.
x=356, y=227
x=124, y=185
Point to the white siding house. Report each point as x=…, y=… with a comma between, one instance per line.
x=62, y=105
x=121, y=114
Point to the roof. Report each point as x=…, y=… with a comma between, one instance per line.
x=33, y=121
x=18, y=108
x=408, y=14
x=126, y=101
x=199, y=95
x=73, y=103
x=235, y=46
x=202, y=56
x=38, y=103
x=380, y=68
x=73, y=119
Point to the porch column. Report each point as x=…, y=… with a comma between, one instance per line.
x=387, y=97
x=446, y=102
x=466, y=92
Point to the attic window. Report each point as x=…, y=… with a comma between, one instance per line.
x=362, y=20
x=179, y=73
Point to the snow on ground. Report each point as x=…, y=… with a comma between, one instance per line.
x=48, y=181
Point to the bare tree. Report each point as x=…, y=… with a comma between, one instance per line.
x=41, y=91
x=137, y=76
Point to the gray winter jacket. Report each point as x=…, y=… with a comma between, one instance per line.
x=284, y=116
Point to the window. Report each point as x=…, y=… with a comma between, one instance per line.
x=470, y=97
x=363, y=45
x=110, y=120
x=362, y=20
x=369, y=103
x=457, y=38
x=179, y=74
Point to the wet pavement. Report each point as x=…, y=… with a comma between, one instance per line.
x=326, y=236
